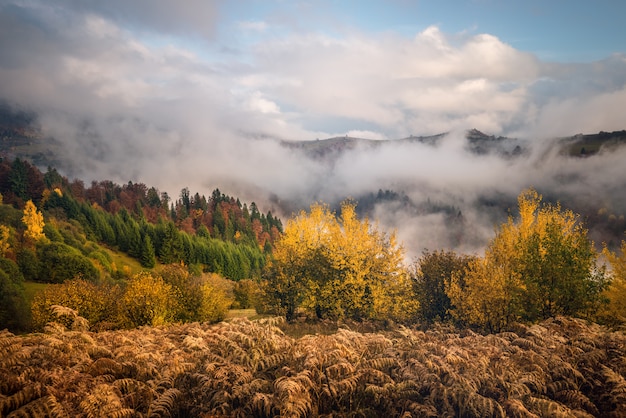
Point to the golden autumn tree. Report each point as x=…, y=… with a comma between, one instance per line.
x=537, y=266
x=148, y=300
x=297, y=260
x=5, y=237
x=487, y=295
x=557, y=261
x=338, y=267
x=614, y=313
x=33, y=219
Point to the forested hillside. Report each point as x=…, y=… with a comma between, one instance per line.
x=125, y=215
x=54, y=230
x=324, y=265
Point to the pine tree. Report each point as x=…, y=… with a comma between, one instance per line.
x=171, y=250
x=18, y=179
x=148, y=257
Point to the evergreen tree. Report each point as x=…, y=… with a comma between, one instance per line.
x=153, y=198
x=171, y=250
x=148, y=257
x=254, y=212
x=219, y=223
x=52, y=179
x=18, y=179
x=203, y=232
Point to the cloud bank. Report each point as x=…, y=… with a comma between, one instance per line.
x=150, y=91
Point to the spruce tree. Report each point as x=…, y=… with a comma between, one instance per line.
x=148, y=257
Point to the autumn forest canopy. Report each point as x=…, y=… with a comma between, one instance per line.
x=85, y=266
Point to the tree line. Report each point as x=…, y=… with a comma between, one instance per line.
x=540, y=264
x=223, y=216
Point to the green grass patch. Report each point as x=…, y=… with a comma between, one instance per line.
x=243, y=313
x=123, y=262
x=32, y=288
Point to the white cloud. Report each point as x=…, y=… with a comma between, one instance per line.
x=258, y=103
x=392, y=81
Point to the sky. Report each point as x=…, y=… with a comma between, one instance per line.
x=197, y=93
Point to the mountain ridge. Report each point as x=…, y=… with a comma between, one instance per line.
x=21, y=136
x=477, y=142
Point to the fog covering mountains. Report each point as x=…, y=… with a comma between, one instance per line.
x=451, y=190
x=445, y=191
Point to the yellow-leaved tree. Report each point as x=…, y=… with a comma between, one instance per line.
x=488, y=294
x=338, y=267
x=539, y=266
x=33, y=219
x=5, y=237
x=614, y=312
x=148, y=300
x=203, y=297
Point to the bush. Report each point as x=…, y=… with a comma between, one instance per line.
x=246, y=293
x=216, y=299
x=148, y=300
x=98, y=303
x=52, y=233
x=29, y=264
x=203, y=298
x=12, y=270
x=60, y=262
x=13, y=307
x=103, y=259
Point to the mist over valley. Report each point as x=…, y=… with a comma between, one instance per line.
x=444, y=191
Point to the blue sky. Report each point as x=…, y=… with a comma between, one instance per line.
x=561, y=30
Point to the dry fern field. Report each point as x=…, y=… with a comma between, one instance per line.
x=562, y=367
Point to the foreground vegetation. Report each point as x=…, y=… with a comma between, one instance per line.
x=560, y=367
